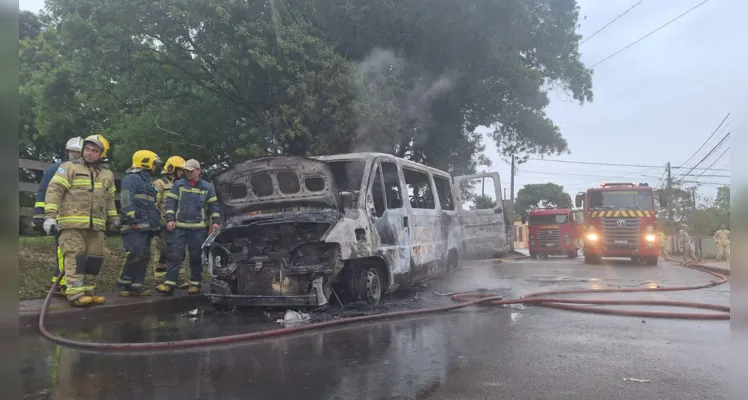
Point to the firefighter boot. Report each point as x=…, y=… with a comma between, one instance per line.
x=83, y=301
x=194, y=289
x=167, y=289
x=138, y=289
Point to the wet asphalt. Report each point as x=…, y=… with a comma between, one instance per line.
x=476, y=353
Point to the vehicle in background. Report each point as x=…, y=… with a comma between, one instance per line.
x=360, y=224
x=620, y=221
x=552, y=231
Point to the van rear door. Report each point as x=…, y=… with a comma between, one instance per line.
x=481, y=217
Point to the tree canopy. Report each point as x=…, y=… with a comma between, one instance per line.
x=224, y=80
x=541, y=195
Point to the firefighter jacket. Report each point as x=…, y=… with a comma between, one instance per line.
x=163, y=186
x=187, y=203
x=42, y=192
x=138, y=201
x=722, y=236
x=81, y=196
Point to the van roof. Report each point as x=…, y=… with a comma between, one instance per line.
x=371, y=155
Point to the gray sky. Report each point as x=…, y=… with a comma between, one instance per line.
x=657, y=101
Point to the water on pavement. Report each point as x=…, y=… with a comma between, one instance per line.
x=518, y=352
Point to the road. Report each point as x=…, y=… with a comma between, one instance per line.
x=476, y=353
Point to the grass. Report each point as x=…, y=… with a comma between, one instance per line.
x=37, y=258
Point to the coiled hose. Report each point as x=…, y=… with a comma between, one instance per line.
x=541, y=299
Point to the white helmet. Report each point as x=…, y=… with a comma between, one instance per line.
x=75, y=144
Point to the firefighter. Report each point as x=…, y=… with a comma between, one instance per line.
x=173, y=170
x=140, y=222
x=188, y=204
x=73, y=148
x=685, y=243
x=80, y=204
x=722, y=237
x=663, y=246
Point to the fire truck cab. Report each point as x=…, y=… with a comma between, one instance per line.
x=552, y=231
x=620, y=221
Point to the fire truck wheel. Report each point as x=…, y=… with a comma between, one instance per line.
x=572, y=254
x=652, y=261
x=534, y=255
x=544, y=256
x=635, y=259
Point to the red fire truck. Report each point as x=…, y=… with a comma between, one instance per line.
x=552, y=231
x=620, y=221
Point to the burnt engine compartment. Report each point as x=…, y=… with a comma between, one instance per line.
x=273, y=257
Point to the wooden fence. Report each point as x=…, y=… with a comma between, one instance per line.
x=29, y=187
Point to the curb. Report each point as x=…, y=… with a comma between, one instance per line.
x=30, y=319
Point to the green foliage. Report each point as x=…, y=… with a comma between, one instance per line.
x=541, y=195
x=483, y=202
x=226, y=80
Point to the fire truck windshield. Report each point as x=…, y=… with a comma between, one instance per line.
x=621, y=200
x=548, y=219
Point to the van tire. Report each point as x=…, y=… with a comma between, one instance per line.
x=366, y=284
x=453, y=260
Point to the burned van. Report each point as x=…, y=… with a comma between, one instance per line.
x=306, y=231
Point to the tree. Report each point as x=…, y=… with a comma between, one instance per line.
x=225, y=80
x=483, y=202
x=541, y=195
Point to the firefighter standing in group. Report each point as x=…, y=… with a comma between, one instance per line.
x=663, y=246
x=73, y=147
x=685, y=243
x=80, y=204
x=173, y=170
x=140, y=222
x=188, y=204
x=722, y=237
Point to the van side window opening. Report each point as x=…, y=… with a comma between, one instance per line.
x=478, y=194
x=392, y=189
x=377, y=192
x=444, y=191
x=348, y=175
x=419, y=189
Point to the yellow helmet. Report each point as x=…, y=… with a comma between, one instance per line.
x=173, y=163
x=100, y=141
x=145, y=159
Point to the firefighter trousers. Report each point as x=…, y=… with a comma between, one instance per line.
x=176, y=242
x=83, y=255
x=160, y=260
x=137, y=254
x=723, y=251
x=59, y=265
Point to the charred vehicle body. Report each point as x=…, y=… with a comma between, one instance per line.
x=304, y=231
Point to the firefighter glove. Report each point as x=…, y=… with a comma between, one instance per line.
x=115, y=225
x=50, y=225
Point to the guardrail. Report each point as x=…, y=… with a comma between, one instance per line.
x=30, y=187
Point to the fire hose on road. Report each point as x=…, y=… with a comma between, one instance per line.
x=541, y=299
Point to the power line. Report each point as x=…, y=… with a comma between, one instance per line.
x=718, y=145
x=611, y=22
x=648, y=35
x=707, y=140
x=616, y=165
x=715, y=161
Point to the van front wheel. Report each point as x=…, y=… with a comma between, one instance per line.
x=367, y=285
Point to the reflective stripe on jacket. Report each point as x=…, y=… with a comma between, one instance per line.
x=163, y=186
x=187, y=205
x=81, y=197
x=138, y=201
x=42, y=192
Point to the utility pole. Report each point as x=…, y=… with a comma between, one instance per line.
x=511, y=185
x=670, y=197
